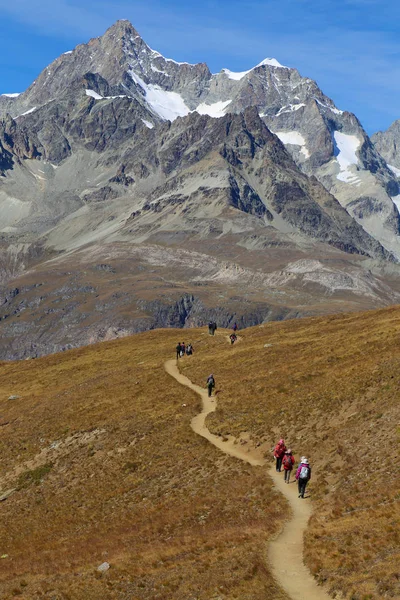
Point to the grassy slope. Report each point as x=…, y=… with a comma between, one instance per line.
x=106, y=467
x=331, y=386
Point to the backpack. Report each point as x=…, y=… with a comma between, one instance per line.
x=304, y=472
x=211, y=382
x=287, y=461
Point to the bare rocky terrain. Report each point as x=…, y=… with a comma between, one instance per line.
x=137, y=192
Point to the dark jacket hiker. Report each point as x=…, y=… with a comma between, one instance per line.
x=210, y=384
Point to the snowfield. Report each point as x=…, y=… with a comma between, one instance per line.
x=295, y=139
x=216, y=110
x=167, y=105
x=346, y=147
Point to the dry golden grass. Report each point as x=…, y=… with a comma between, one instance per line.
x=330, y=386
x=106, y=468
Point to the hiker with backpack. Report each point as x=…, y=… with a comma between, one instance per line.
x=233, y=338
x=287, y=462
x=178, y=350
x=210, y=385
x=303, y=475
x=183, y=349
x=189, y=350
x=279, y=453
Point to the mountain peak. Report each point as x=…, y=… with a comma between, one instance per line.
x=271, y=62
x=122, y=26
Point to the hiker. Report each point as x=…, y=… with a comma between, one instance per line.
x=303, y=475
x=189, y=350
x=235, y=327
x=279, y=452
x=183, y=348
x=178, y=350
x=211, y=328
x=210, y=384
x=233, y=338
x=287, y=462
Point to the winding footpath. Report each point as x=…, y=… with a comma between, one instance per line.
x=286, y=551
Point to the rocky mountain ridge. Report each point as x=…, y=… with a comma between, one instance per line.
x=324, y=141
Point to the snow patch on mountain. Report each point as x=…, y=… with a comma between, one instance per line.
x=288, y=109
x=235, y=76
x=27, y=112
x=270, y=62
x=148, y=124
x=346, y=147
x=394, y=170
x=167, y=105
x=215, y=110
x=155, y=70
x=396, y=201
x=158, y=55
x=295, y=139
x=97, y=96
x=12, y=95
x=335, y=110
x=93, y=94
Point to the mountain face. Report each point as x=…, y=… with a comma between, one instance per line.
x=138, y=192
x=388, y=143
x=324, y=141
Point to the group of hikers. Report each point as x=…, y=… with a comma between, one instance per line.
x=284, y=458
x=183, y=349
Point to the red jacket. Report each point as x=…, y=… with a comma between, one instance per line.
x=279, y=451
x=289, y=465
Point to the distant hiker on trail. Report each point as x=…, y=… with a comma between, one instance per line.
x=212, y=327
x=189, y=350
x=279, y=453
x=210, y=385
x=183, y=349
x=233, y=338
x=235, y=327
x=287, y=462
x=303, y=475
x=178, y=350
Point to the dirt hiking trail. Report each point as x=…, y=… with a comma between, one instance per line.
x=286, y=551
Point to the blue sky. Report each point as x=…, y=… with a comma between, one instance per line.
x=350, y=47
